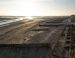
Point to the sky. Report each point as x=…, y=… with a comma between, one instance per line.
x=37, y=7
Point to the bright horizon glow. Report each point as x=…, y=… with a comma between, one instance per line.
x=29, y=17
x=24, y=8
x=37, y=7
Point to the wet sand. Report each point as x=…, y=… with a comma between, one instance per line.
x=21, y=32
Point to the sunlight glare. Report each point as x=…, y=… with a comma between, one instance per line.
x=25, y=8
x=29, y=17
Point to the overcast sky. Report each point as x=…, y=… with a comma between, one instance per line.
x=37, y=7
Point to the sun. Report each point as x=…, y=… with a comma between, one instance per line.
x=29, y=17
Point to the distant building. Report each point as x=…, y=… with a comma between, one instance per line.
x=73, y=15
x=73, y=18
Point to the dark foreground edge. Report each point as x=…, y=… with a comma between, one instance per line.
x=26, y=45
